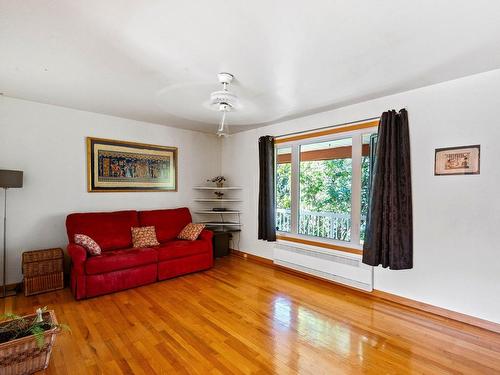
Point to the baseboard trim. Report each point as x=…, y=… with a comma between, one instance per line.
x=254, y=258
x=435, y=310
x=11, y=289
x=381, y=295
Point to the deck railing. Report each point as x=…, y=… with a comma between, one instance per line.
x=332, y=225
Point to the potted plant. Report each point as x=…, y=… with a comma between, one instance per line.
x=219, y=181
x=26, y=341
x=219, y=194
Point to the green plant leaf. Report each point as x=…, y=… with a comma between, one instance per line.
x=37, y=332
x=9, y=316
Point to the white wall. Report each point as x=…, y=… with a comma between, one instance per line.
x=456, y=218
x=48, y=144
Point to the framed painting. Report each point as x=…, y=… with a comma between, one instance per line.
x=126, y=166
x=457, y=160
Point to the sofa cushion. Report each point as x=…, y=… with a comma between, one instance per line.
x=111, y=230
x=191, y=232
x=182, y=248
x=144, y=236
x=168, y=223
x=120, y=259
x=88, y=243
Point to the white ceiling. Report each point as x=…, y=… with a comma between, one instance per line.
x=157, y=61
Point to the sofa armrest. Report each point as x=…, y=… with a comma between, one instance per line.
x=78, y=256
x=206, y=235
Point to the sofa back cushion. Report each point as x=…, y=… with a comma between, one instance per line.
x=111, y=230
x=168, y=223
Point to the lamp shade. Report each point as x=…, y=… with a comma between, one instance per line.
x=11, y=179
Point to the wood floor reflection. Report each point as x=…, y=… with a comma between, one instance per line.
x=245, y=318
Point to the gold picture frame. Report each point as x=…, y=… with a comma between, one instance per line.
x=121, y=166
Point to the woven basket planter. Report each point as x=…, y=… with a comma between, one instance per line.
x=23, y=356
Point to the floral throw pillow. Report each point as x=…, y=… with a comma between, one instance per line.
x=88, y=243
x=144, y=236
x=191, y=232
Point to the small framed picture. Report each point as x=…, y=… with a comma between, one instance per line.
x=457, y=160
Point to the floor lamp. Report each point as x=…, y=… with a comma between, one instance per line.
x=8, y=180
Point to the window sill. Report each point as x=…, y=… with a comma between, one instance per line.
x=306, y=240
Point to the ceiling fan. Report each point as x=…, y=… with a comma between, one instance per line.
x=224, y=101
x=242, y=103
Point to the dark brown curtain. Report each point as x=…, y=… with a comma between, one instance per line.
x=267, y=216
x=389, y=229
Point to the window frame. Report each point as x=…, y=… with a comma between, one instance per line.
x=355, y=132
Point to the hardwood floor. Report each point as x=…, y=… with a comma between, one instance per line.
x=245, y=318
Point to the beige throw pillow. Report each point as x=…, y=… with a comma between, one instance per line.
x=88, y=243
x=144, y=236
x=191, y=232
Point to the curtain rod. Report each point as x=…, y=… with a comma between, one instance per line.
x=327, y=127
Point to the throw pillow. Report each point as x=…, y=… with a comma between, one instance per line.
x=144, y=236
x=191, y=232
x=88, y=243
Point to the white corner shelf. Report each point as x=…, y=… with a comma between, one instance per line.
x=211, y=212
x=225, y=223
x=217, y=200
x=217, y=188
x=205, y=213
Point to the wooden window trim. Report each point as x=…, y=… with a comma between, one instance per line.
x=324, y=154
x=323, y=245
x=321, y=133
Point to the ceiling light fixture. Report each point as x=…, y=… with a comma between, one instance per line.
x=224, y=101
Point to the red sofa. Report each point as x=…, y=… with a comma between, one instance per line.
x=120, y=266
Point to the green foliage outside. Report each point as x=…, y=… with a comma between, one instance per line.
x=283, y=176
x=365, y=193
x=325, y=186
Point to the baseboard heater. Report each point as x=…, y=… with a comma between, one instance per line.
x=332, y=265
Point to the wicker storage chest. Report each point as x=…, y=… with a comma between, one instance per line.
x=43, y=271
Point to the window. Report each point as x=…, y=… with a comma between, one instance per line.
x=283, y=188
x=369, y=142
x=325, y=189
x=322, y=185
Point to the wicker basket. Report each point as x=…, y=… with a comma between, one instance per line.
x=24, y=356
x=43, y=271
